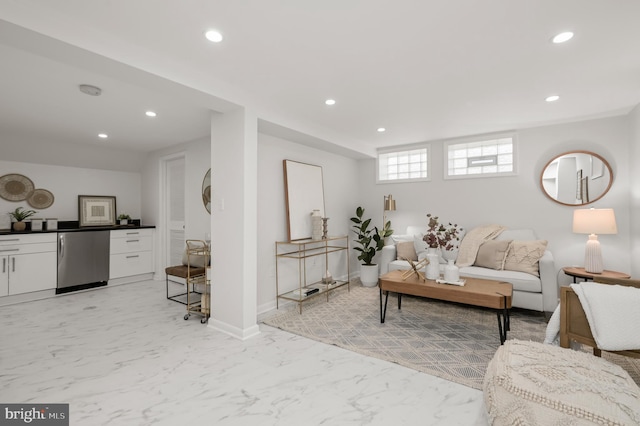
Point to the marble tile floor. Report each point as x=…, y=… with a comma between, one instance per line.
x=123, y=355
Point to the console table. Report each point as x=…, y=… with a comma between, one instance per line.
x=301, y=250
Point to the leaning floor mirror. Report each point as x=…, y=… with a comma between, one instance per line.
x=304, y=193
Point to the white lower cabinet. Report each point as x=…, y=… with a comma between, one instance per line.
x=27, y=263
x=131, y=253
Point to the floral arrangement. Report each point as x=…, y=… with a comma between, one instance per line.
x=442, y=236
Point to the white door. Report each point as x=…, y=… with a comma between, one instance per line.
x=174, y=209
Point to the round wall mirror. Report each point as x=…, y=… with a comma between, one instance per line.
x=206, y=191
x=576, y=178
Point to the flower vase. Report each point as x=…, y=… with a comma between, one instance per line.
x=316, y=225
x=451, y=272
x=433, y=267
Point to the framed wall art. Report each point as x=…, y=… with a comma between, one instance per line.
x=96, y=210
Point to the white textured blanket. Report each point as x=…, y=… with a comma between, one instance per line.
x=471, y=242
x=613, y=314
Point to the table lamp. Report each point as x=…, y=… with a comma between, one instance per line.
x=389, y=205
x=592, y=222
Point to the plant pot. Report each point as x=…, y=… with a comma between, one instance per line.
x=19, y=226
x=124, y=221
x=369, y=275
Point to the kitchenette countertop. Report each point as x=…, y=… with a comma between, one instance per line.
x=72, y=226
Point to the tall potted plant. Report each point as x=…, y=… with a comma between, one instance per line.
x=369, y=242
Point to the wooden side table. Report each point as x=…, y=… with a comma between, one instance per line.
x=581, y=273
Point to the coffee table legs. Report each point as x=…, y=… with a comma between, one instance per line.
x=383, y=312
x=504, y=323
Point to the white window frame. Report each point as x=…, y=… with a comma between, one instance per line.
x=404, y=148
x=480, y=139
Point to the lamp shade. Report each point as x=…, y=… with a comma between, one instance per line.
x=594, y=221
x=389, y=203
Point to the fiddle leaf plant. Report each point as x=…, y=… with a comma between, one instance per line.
x=369, y=240
x=19, y=214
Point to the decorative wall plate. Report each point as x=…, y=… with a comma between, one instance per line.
x=40, y=199
x=15, y=187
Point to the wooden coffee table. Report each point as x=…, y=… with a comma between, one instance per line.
x=475, y=292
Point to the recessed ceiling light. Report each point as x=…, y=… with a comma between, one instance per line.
x=150, y=114
x=562, y=37
x=381, y=129
x=90, y=90
x=103, y=135
x=214, y=36
x=552, y=98
x=330, y=102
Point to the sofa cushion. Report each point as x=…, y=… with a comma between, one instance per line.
x=406, y=250
x=521, y=281
x=524, y=256
x=491, y=254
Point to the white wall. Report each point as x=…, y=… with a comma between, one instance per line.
x=342, y=196
x=518, y=201
x=634, y=194
x=66, y=183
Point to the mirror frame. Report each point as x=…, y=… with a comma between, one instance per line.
x=593, y=154
x=304, y=192
x=206, y=191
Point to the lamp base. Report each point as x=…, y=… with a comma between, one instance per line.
x=593, y=256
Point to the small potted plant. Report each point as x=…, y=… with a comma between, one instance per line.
x=370, y=241
x=124, y=219
x=19, y=214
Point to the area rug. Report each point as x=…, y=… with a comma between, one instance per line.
x=447, y=340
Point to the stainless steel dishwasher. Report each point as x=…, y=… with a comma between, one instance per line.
x=83, y=260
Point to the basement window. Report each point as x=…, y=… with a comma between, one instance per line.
x=486, y=157
x=403, y=165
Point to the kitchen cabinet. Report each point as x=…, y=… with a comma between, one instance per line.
x=131, y=252
x=27, y=263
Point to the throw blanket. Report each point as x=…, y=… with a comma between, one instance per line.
x=470, y=244
x=613, y=314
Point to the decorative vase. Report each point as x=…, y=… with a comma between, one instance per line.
x=450, y=254
x=451, y=272
x=19, y=226
x=369, y=275
x=316, y=225
x=433, y=267
x=327, y=278
x=124, y=221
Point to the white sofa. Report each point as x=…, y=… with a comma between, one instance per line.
x=529, y=291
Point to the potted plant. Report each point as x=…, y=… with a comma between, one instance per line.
x=124, y=218
x=369, y=242
x=19, y=214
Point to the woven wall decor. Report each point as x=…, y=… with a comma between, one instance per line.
x=15, y=187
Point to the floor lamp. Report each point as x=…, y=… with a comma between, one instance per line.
x=389, y=205
x=592, y=222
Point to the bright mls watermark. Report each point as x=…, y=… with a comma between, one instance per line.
x=34, y=414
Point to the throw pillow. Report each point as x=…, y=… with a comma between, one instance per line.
x=524, y=256
x=419, y=245
x=406, y=250
x=492, y=254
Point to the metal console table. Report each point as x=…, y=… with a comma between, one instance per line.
x=301, y=250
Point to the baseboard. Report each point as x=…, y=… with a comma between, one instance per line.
x=238, y=333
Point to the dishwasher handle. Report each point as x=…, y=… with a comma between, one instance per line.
x=60, y=248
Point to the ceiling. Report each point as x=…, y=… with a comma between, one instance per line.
x=424, y=70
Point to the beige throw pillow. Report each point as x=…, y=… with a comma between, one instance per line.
x=406, y=250
x=524, y=256
x=492, y=253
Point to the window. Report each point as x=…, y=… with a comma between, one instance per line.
x=405, y=165
x=481, y=158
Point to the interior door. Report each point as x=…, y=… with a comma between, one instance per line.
x=175, y=209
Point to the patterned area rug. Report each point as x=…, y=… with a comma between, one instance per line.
x=448, y=340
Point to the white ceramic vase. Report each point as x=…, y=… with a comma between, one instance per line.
x=433, y=267
x=369, y=275
x=316, y=225
x=451, y=272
